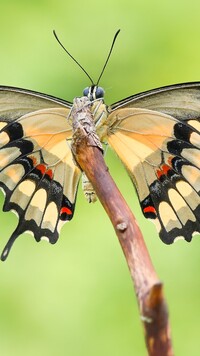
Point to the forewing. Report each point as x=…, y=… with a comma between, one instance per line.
x=181, y=101
x=37, y=172
x=15, y=102
x=161, y=154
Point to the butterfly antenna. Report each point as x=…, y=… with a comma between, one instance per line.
x=109, y=54
x=69, y=54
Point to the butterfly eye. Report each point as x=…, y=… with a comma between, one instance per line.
x=99, y=93
x=86, y=91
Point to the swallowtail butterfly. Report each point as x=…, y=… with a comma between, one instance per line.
x=156, y=134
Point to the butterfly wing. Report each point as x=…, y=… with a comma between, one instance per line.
x=37, y=172
x=157, y=136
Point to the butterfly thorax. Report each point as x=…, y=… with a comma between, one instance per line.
x=99, y=110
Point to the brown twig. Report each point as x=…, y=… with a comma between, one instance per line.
x=149, y=290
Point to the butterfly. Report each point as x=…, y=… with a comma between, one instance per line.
x=156, y=135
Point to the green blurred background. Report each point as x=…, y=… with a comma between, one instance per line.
x=76, y=297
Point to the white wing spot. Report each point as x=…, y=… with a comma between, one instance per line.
x=44, y=238
x=27, y=187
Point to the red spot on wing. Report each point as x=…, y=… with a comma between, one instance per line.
x=41, y=168
x=65, y=210
x=163, y=170
x=49, y=173
x=149, y=209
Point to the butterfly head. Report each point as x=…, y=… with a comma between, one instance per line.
x=93, y=92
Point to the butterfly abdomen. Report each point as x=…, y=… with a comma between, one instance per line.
x=88, y=189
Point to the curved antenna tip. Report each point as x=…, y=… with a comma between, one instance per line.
x=55, y=35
